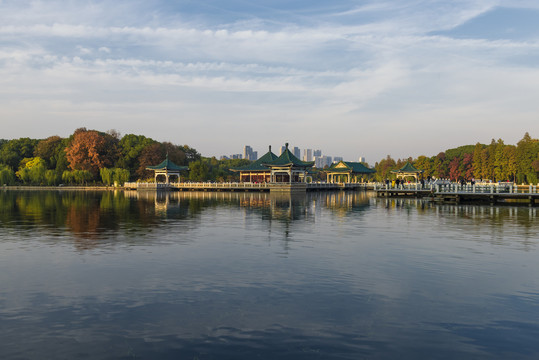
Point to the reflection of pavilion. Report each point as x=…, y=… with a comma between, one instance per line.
x=167, y=169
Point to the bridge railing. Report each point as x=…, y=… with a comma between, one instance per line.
x=492, y=188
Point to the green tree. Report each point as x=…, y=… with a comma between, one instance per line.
x=68, y=177
x=7, y=176
x=477, y=163
x=107, y=175
x=51, y=177
x=423, y=163
x=32, y=170
x=384, y=167
x=13, y=151
x=121, y=176
x=47, y=149
x=198, y=170
x=82, y=177
x=131, y=147
x=526, y=153
x=500, y=161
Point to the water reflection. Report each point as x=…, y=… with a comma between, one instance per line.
x=90, y=215
x=329, y=275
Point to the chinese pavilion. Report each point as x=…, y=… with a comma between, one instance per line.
x=288, y=169
x=255, y=171
x=407, y=170
x=167, y=169
x=346, y=171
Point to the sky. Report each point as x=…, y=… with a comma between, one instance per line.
x=353, y=78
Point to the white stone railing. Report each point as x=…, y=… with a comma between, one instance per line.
x=493, y=188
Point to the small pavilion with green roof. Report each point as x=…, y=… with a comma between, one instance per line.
x=167, y=169
x=256, y=171
x=346, y=171
x=287, y=168
x=408, y=170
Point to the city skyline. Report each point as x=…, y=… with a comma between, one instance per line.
x=390, y=78
x=317, y=156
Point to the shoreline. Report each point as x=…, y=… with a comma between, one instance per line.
x=60, y=188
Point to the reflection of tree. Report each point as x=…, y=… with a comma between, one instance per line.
x=84, y=223
x=92, y=217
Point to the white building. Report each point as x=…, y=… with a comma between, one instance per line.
x=308, y=155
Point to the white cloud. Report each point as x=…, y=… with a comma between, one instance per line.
x=383, y=72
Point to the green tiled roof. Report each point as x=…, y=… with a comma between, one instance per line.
x=355, y=167
x=257, y=165
x=288, y=159
x=407, y=168
x=167, y=165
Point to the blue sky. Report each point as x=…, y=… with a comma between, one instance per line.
x=352, y=78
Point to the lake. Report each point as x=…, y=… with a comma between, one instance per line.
x=330, y=275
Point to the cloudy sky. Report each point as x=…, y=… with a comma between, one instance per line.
x=350, y=77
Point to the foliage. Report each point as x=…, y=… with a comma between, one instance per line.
x=121, y=176
x=79, y=177
x=7, y=176
x=91, y=150
x=116, y=175
x=51, y=177
x=106, y=175
x=199, y=170
x=13, y=151
x=32, y=171
x=131, y=147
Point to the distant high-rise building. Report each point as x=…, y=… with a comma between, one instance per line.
x=297, y=152
x=308, y=155
x=337, y=159
x=317, y=153
x=322, y=161
x=249, y=154
x=361, y=159
x=236, y=156
x=283, y=148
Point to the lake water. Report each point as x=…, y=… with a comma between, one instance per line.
x=330, y=275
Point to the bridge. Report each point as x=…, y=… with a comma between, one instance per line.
x=245, y=186
x=456, y=193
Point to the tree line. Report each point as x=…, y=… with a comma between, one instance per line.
x=87, y=156
x=91, y=156
x=496, y=161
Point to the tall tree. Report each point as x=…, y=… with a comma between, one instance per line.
x=477, y=163
x=13, y=151
x=151, y=155
x=454, y=171
x=131, y=147
x=526, y=153
x=47, y=150
x=90, y=150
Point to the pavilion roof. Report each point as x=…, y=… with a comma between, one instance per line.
x=167, y=165
x=288, y=159
x=257, y=165
x=407, y=168
x=349, y=166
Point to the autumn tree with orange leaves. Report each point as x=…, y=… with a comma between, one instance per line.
x=91, y=150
